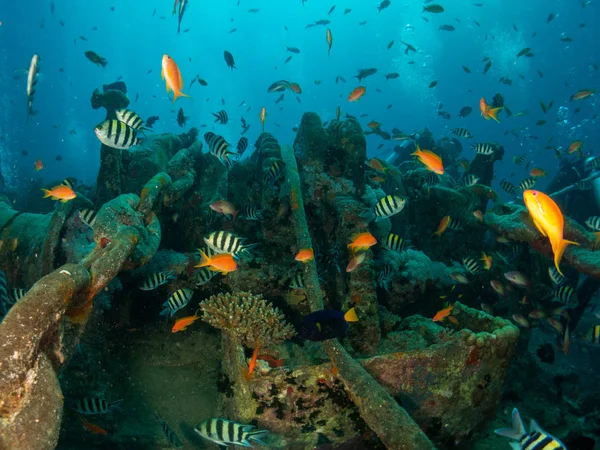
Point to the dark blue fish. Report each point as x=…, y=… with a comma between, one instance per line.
x=327, y=324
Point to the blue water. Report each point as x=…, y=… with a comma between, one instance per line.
x=133, y=41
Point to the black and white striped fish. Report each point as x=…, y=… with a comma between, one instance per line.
x=242, y=145
x=536, y=439
x=583, y=185
x=176, y=301
x=95, y=405
x=225, y=432
x=116, y=134
x=527, y=183
x=219, y=148
x=508, y=187
x=250, y=212
x=17, y=294
x=385, y=276
x=471, y=265
x=130, y=118
x=169, y=433
x=273, y=173
x=455, y=224
x=593, y=223
x=431, y=180
x=224, y=242
x=520, y=160
x=389, y=206
x=462, y=133
x=593, y=163
x=5, y=302
x=555, y=276
x=203, y=275
x=221, y=117
x=32, y=79
x=469, y=180
x=565, y=294
x=157, y=279
x=395, y=243
x=69, y=182
x=297, y=281
x=483, y=148
x=88, y=216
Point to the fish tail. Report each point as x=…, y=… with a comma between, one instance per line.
x=351, y=315
x=204, y=261
x=177, y=94
x=116, y=404
x=256, y=436
x=493, y=113
x=558, y=253
x=47, y=193
x=518, y=429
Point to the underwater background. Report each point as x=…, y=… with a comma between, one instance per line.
x=192, y=276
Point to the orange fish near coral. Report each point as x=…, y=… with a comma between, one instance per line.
x=61, y=192
x=252, y=363
x=548, y=219
x=223, y=262
x=357, y=93
x=430, y=160
x=305, y=255
x=576, y=146
x=170, y=73
x=224, y=207
x=184, y=322
x=536, y=172
x=38, y=165
x=487, y=261
x=442, y=226
x=443, y=313
x=487, y=112
x=273, y=362
x=361, y=242
x=355, y=262
x=377, y=164
x=95, y=429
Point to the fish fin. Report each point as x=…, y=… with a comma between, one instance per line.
x=351, y=315
x=177, y=94
x=558, y=253
x=204, y=261
x=518, y=429
x=162, y=74
x=493, y=113
x=539, y=227
x=47, y=193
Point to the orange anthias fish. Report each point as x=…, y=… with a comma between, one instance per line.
x=61, y=192
x=224, y=207
x=487, y=112
x=95, y=429
x=536, y=172
x=305, y=255
x=355, y=262
x=38, y=165
x=443, y=313
x=442, y=226
x=263, y=117
x=295, y=88
x=252, y=363
x=170, y=73
x=184, y=322
x=487, y=261
x=576, y=147
x=362, y=241
x=329, y=38
x=548, y=219
x=430, y=160
x=377, y=164
x=272, y=361
x=223, y=262
x=357, y=93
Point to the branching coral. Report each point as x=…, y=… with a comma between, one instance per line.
x=247, y=318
